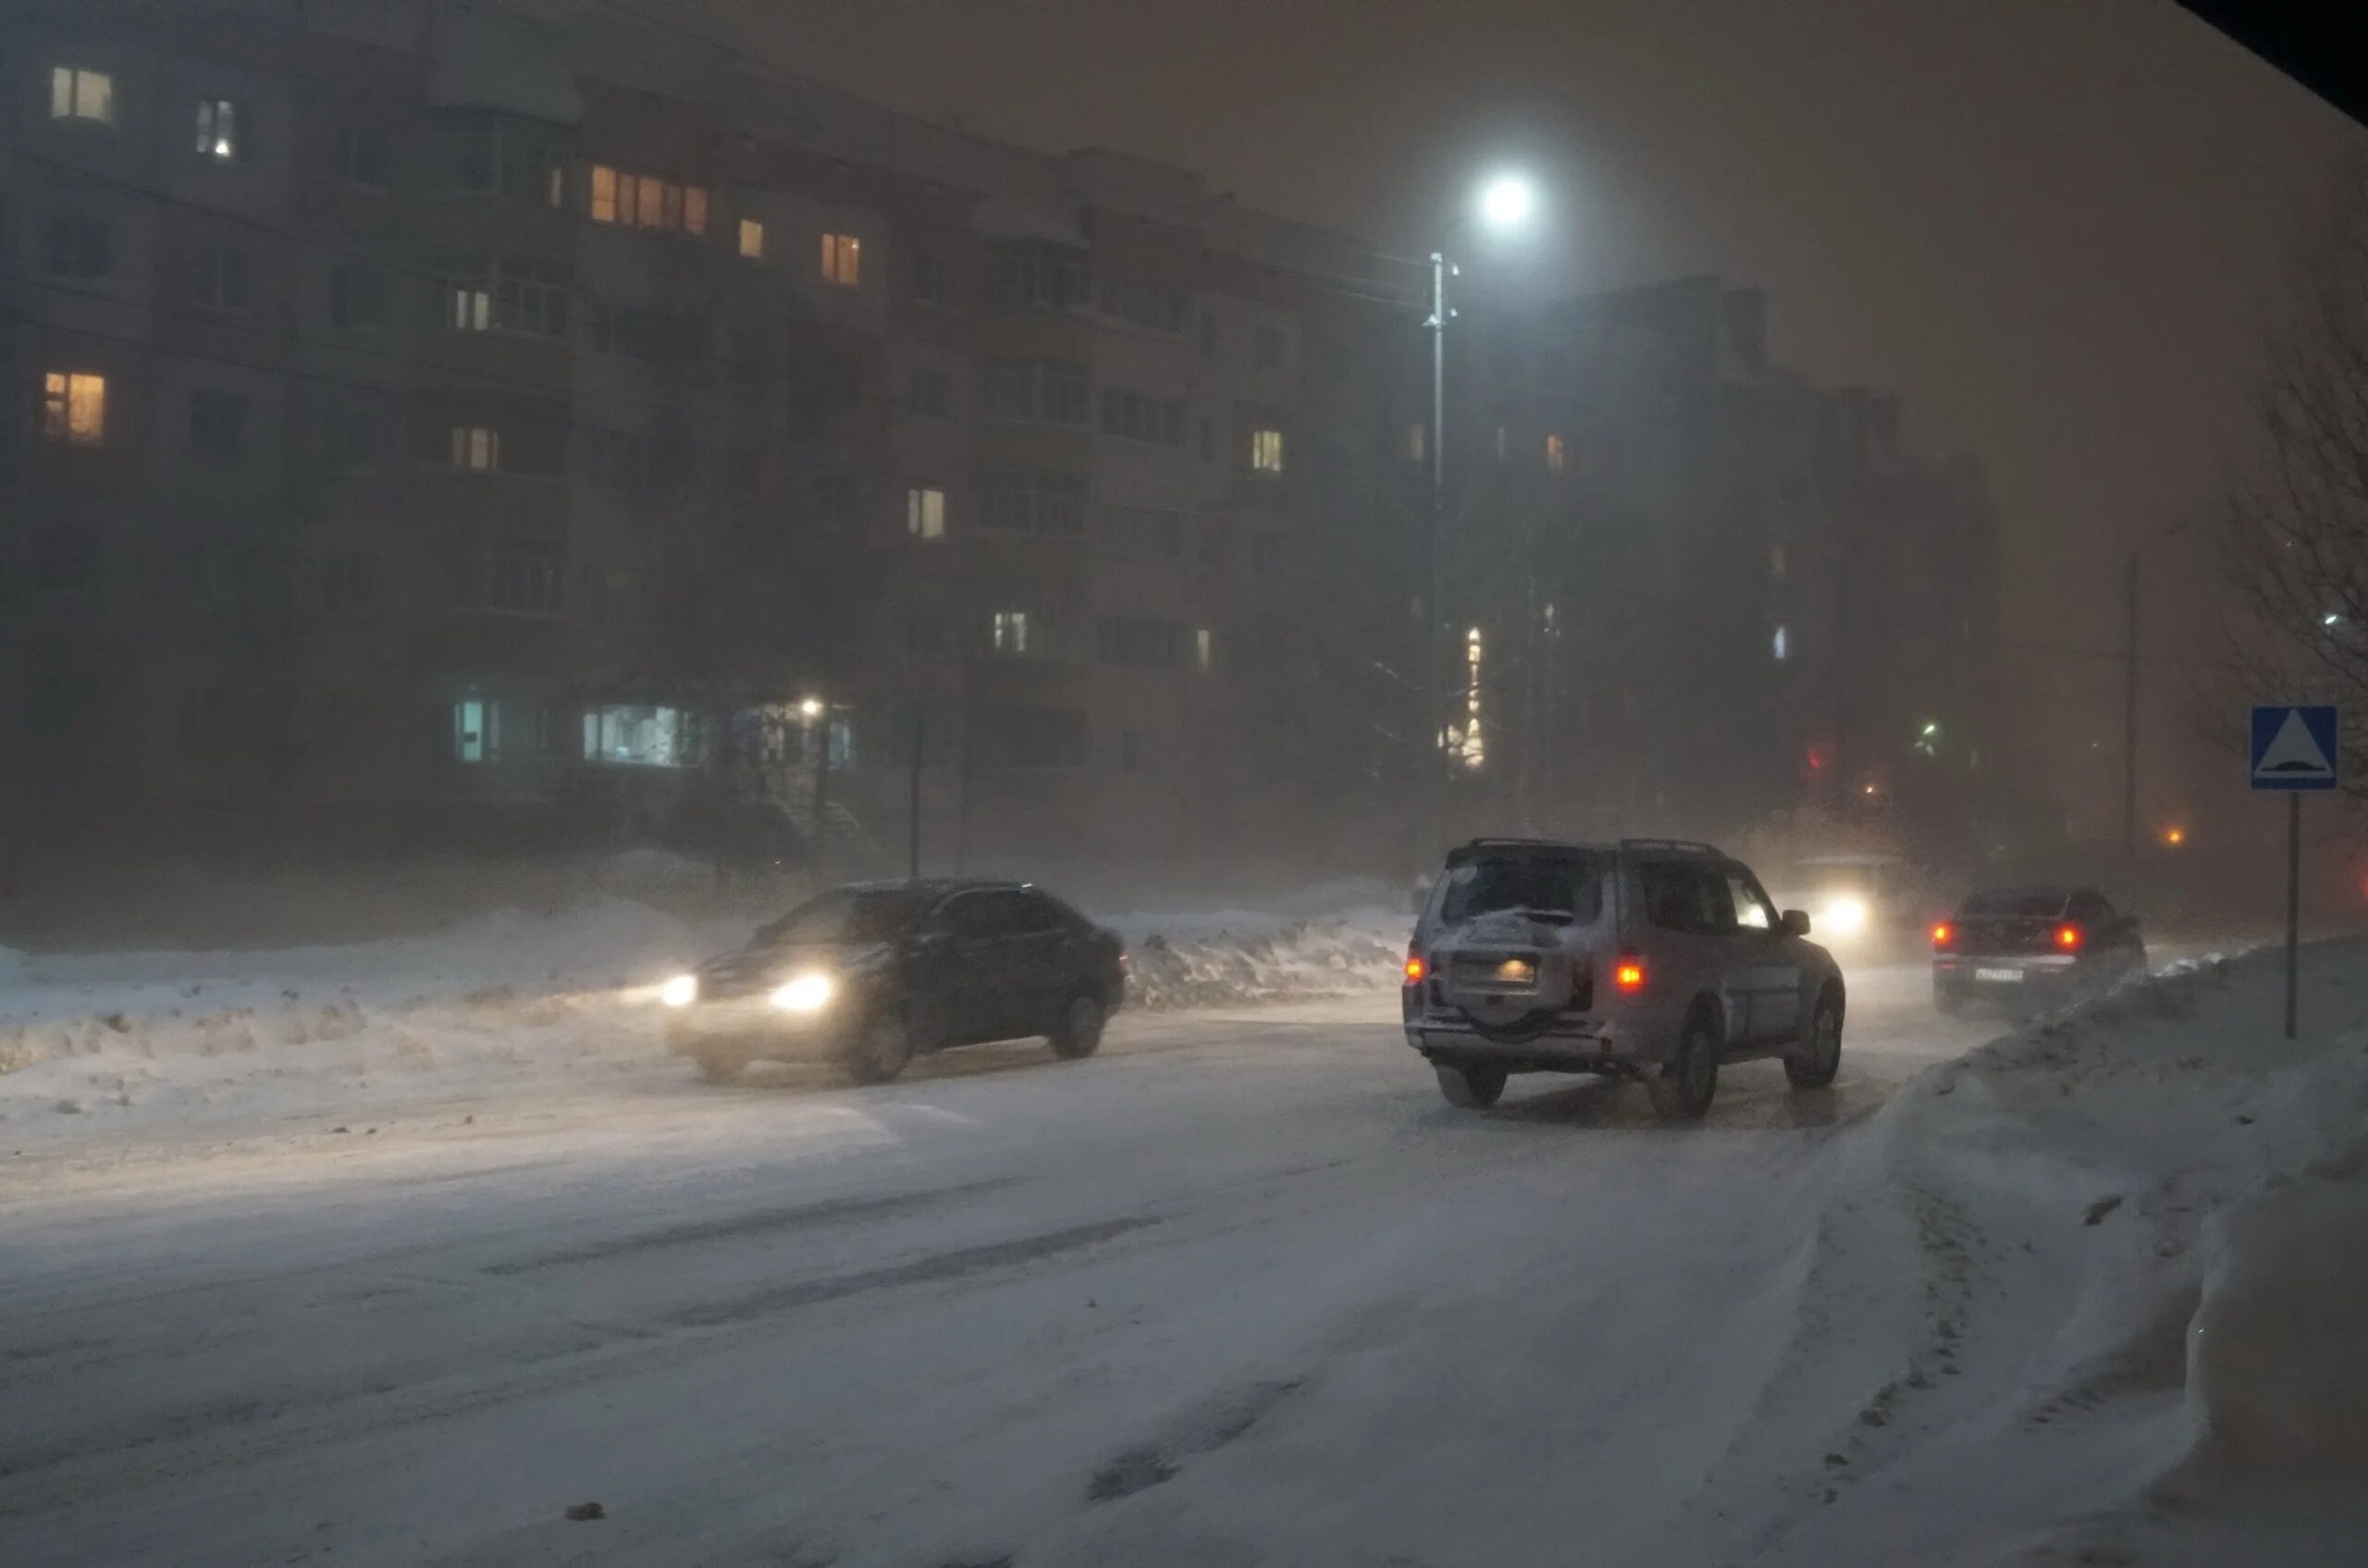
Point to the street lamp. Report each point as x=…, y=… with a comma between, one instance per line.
x=1504, y=203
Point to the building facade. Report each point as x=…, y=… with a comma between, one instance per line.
x=439, y=422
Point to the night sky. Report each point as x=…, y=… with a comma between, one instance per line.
x=2055, y=226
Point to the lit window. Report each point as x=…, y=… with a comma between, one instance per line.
x=925, y=514
x=1266, y=450
x=649, y=736
x=1204, y=650
x=218, y=131
x=1418, y=441
x=468, y=731
x=1553, y=454
x=1780, y=645
x=82, y=94
x=476, y=446
x=74, y=408
x=1011, y=631
x=472, y=309
x=752, y=239
x=643, y=201
x=842, y=259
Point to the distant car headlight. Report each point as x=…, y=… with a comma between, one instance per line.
x=806, y=993
x=680, y=992
x=1844, y=916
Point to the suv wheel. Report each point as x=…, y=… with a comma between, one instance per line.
x=1820, y=1056
x=1080, y=1030
x=1475, y=1088
x=1682, y=1088
x=880, y=1051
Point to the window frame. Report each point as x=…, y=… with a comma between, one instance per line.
x=221, y=132
x=61, y=397
x=68, y=84
x=842, y=259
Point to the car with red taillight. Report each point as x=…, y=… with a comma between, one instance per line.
x=2026, y=949
x=1656, y=959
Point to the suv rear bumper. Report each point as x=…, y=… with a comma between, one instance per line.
x=1584, y=1044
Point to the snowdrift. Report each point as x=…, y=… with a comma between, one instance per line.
x=512, y=999
x=2095, y=1292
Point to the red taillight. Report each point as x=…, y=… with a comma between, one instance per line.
x=1415, y=968
x=2068, y=938
x=1628, y=974
x=1944, y=935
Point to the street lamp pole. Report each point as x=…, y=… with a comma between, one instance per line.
x=1434, y=683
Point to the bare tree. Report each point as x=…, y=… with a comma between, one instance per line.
x=2295, y=543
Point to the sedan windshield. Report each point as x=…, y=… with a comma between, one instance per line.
x=1560, y=888
x=844, y=916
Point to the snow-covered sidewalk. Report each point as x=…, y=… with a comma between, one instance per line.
x=105, y=1045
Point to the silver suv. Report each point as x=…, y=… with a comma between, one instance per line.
x=1651, y=958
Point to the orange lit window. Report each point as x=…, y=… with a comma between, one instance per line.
x=74, y=408
x=644, y=201
x=1553, y=454
x=752, y=239
x=842, y=259
x=604, y=194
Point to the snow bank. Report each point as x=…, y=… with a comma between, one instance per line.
x=2278, y=1355
x=1303, y=958
x=2113, y=1261
x=514, y=1001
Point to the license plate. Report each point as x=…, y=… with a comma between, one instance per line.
x=2000, y=977
x=1517, y=971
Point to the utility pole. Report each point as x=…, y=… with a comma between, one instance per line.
x=2130, y=707
x=1434, y=694
x=822, y=731
x=913, y=799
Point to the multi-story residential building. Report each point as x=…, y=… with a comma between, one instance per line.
x=439, y=421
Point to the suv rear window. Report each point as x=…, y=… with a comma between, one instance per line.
x=2016, y=904
x=1564, y=888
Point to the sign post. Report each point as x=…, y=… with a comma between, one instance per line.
x=2295, y=749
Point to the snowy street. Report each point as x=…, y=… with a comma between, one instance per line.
x=1240, y=1289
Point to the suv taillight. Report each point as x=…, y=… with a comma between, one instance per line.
x=1415, y=968
x=2069, y=938
x=1944, y=936
x=1628, y=974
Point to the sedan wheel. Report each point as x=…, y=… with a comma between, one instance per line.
x=880, y=1051
x=1080, y=1030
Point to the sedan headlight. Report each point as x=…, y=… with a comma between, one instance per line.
x=806, y=993
x=1846, y=916
x=680, y=992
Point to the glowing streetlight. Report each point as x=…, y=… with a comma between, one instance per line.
x=1507, y=201
x=811, y=707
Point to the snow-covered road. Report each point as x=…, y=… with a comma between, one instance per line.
x=951, y=1320
x=1242, y=1290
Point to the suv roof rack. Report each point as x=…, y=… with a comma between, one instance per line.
x=1674, y=846
x=1495, y=843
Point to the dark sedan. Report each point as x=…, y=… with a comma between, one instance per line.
x=2028, y=948
x=871, y=976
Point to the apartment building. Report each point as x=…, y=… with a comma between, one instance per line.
x=445, y=424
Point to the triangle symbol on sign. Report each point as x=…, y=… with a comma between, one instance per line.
x=2293, y=753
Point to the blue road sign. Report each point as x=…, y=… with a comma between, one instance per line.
x=2294, y=748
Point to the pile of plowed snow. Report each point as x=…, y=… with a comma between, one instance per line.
x=495, y=1001
x=1304, y=958
x=2096, y=1292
